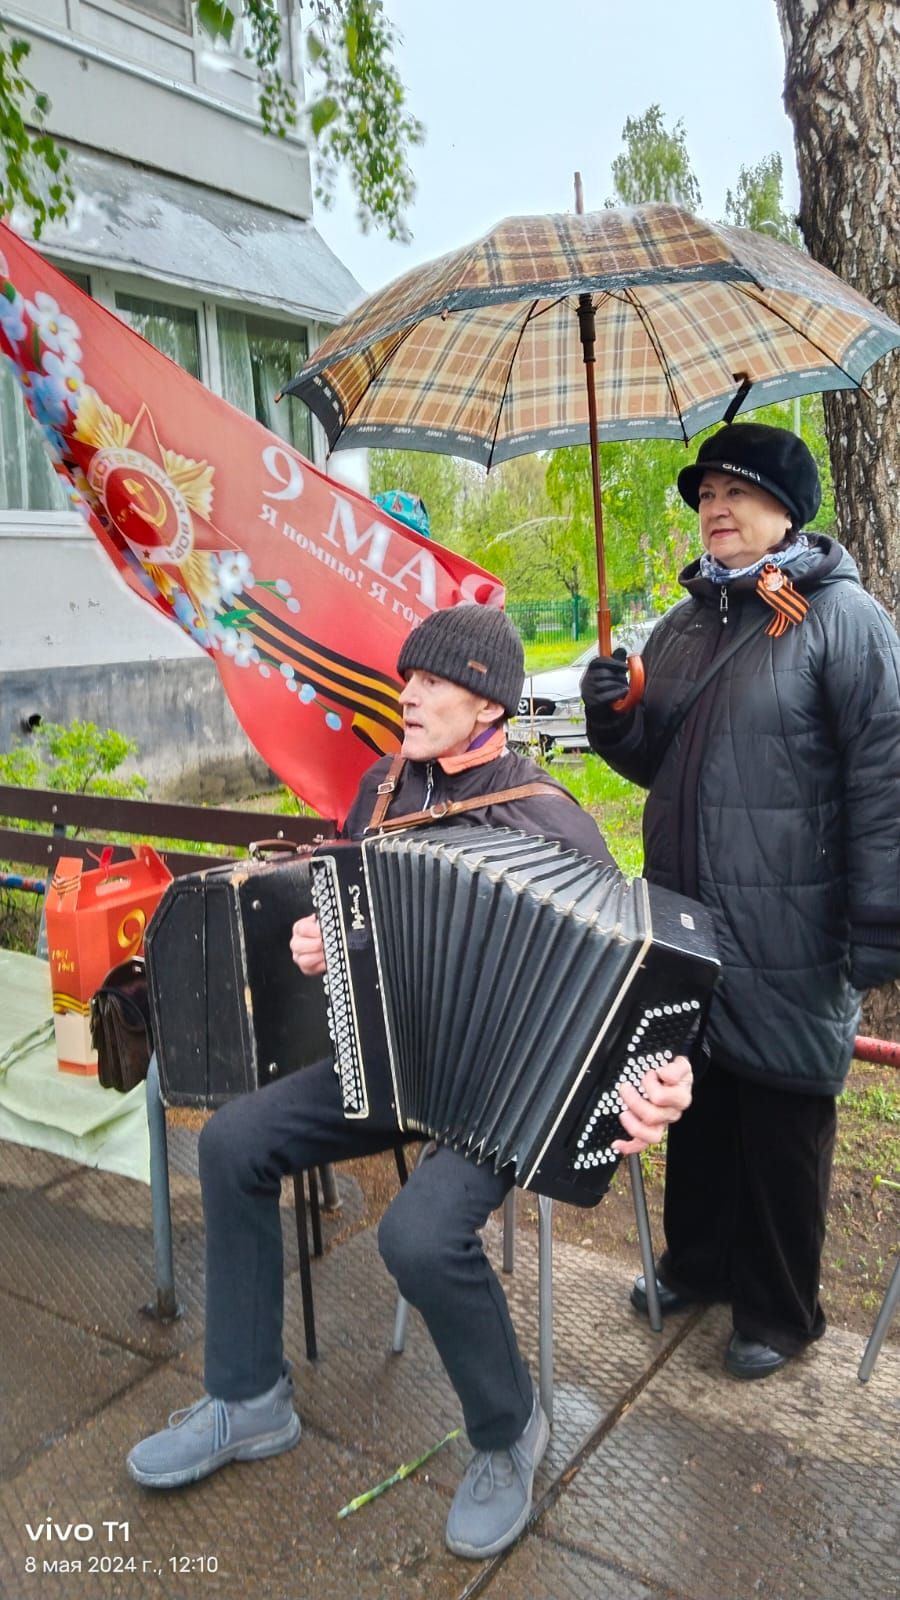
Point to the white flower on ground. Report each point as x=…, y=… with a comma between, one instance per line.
x=55, y=329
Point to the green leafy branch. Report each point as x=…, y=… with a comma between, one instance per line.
x=33, y=167
x=277, y=102
x=358, y=117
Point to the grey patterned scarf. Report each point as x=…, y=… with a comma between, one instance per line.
x=713, y=570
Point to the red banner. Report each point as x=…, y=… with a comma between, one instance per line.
x=300, y=589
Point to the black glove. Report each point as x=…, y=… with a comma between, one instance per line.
x=872, y=965
x=605, y=681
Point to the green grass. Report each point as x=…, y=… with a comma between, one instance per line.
x=615, y=805
x=872, y=1103
x=559, y=653
x=868, y=1115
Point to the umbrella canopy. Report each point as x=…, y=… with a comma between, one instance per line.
x=478, y=354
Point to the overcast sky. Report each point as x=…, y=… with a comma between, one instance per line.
x=516, y=95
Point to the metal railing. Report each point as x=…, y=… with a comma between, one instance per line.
x=554, y=621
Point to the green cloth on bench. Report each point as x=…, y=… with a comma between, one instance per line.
x=62, y=1112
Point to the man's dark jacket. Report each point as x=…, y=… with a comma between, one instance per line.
x=556, y=818
x=777, y=804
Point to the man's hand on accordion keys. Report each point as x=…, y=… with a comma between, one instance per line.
x=307, y=948
x=664, y=1093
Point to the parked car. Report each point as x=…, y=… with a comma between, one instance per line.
x=551, y=710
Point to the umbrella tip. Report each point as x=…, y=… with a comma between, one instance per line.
x=579, y=195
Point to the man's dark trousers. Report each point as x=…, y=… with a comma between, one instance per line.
x=429, y=1238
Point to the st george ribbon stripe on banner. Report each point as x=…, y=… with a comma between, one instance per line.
x=372, y=699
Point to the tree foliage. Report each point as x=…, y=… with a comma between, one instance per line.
x=655, y=164
x=441, y=481
x=757, y=201
x=77, y=758
x=33, y=167
x=359, y=117
x=509, y=526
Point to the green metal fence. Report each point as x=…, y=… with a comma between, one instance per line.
x=573, y=618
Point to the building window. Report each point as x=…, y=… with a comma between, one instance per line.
x=172, y=329
x=258, y=356
x=177, y=13
x=27, y=479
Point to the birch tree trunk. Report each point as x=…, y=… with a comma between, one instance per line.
x=842, y=94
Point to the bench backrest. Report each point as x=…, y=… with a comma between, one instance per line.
x=140, y=819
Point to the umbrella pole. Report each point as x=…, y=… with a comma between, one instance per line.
x=586, y=325
x=587, y=328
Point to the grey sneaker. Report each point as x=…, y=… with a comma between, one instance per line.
x=206, y=1436
x=493, y=1502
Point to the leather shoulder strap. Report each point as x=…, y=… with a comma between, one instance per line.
x=385, y=790
x=453, y=808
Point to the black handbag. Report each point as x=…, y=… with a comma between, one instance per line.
x=120, y=1027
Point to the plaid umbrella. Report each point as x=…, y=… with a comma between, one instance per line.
x=482, y=353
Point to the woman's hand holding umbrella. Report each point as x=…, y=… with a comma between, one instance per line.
x=612, y=683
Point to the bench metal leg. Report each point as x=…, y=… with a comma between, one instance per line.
x=315, y=1215
x=882, y=1323
x=545, y=1304
x=331, y=1200
x=509, y=1232
x=166, y=1308
x=401, y=1315
x=306, y=1295
x=642, y=1217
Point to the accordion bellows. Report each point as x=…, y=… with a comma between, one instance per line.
x=518, y=984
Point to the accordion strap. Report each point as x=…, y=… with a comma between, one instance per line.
x=452, y=808
x=385, y=790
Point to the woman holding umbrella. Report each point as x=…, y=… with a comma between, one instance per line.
x=769, y=741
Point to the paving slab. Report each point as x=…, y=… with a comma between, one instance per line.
x=717, y=1490
x=269, y=1528
x=81, y=1248
x=79, y=1374
x=24, y=1168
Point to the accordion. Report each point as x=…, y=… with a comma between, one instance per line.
x=483, y=987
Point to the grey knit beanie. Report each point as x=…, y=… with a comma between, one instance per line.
x=475, y=646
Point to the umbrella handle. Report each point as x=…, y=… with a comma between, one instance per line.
x=636, y=679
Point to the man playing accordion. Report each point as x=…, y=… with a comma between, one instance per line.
x=463, y=670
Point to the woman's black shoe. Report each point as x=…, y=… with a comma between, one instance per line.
x=747, y=1358
x=669, y=1299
